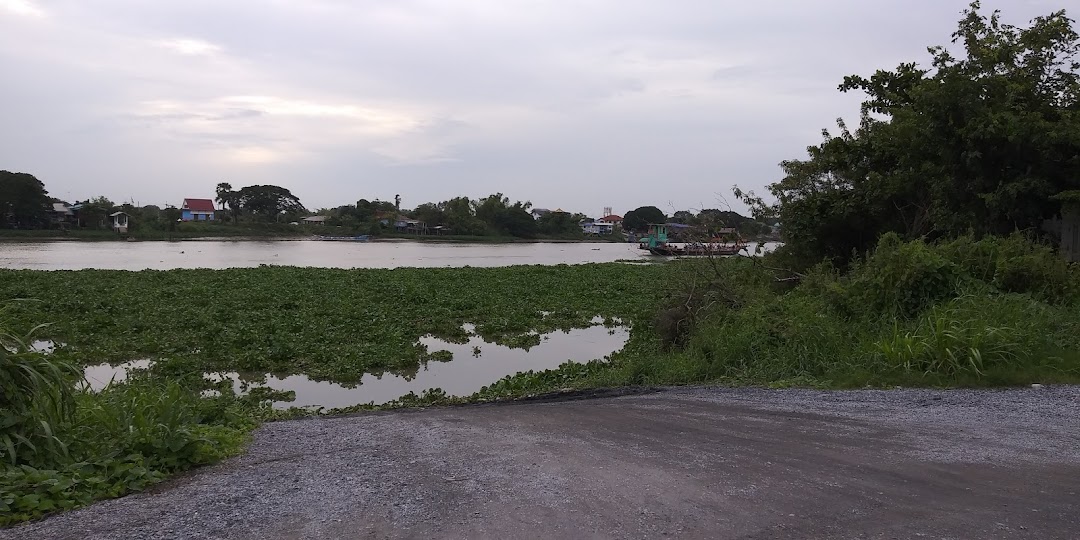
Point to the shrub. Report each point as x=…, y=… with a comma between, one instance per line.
x=1016, y=264
x=901, y=279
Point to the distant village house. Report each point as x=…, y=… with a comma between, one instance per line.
x=119, y=222
x=597, y=227
x=61, y=216
x=613, y=219
x=412, y=226
x=197, y=210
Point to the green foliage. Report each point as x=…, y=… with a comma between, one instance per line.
x=639, y=219
x=461, y=218
x=224, y=195
x=23, y=200
x=266, y=201
x=94, y=213
x=901, y=279
x=168, y=424
x=505, y=218
x=560, y=224
x=949, y=340
x=981, y=142
x=36, y=398
x=965, y=312
x=1016, y=264
x=62, y=446
x=713, y=219
x=122, y=439
x=29, y=493
x=325, y=323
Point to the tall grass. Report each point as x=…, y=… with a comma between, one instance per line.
x=36, y=399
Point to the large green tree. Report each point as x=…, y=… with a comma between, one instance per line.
x=505, y=218
x=268, y=201
x=640, y=218
x=559, y=224
x=23, y=200
x=979, y=142
x=460, y=217
x=225, y=196
x=430, y=214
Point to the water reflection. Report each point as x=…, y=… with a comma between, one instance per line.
x=475, y=364
x=99, y=376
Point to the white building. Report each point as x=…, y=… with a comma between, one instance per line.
x=598, y=227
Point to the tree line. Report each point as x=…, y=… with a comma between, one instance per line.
x=25, y=203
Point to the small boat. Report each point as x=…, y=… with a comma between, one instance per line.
x=656, y=243
x=357, y=238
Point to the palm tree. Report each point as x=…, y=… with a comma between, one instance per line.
x=224, y=194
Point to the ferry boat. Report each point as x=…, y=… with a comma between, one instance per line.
x=726, y=243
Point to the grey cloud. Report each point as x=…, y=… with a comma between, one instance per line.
x=579, y=105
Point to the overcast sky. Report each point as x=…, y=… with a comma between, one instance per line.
x=574, y=104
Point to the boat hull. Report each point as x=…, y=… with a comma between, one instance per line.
x=361, y=238
x=695, y=251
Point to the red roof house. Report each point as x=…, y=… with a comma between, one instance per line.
x=197, y=210
x=611, y=219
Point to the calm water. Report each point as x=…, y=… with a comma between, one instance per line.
x=241, y=254
x=475, y=364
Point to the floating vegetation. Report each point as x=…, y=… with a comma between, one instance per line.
x=326, y=324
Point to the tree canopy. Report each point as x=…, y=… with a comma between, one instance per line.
x=95, y=212
x=268, y=201
x=505, y=218
x=23, y=200
x=977, y=143
x=639, y=219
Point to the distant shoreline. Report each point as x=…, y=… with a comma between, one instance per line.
x=428, y=239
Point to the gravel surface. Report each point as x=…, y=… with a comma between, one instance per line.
x=693, y=463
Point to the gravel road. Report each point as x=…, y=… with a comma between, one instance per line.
x=692, y=463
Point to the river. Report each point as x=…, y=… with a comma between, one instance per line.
x=70, y=255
